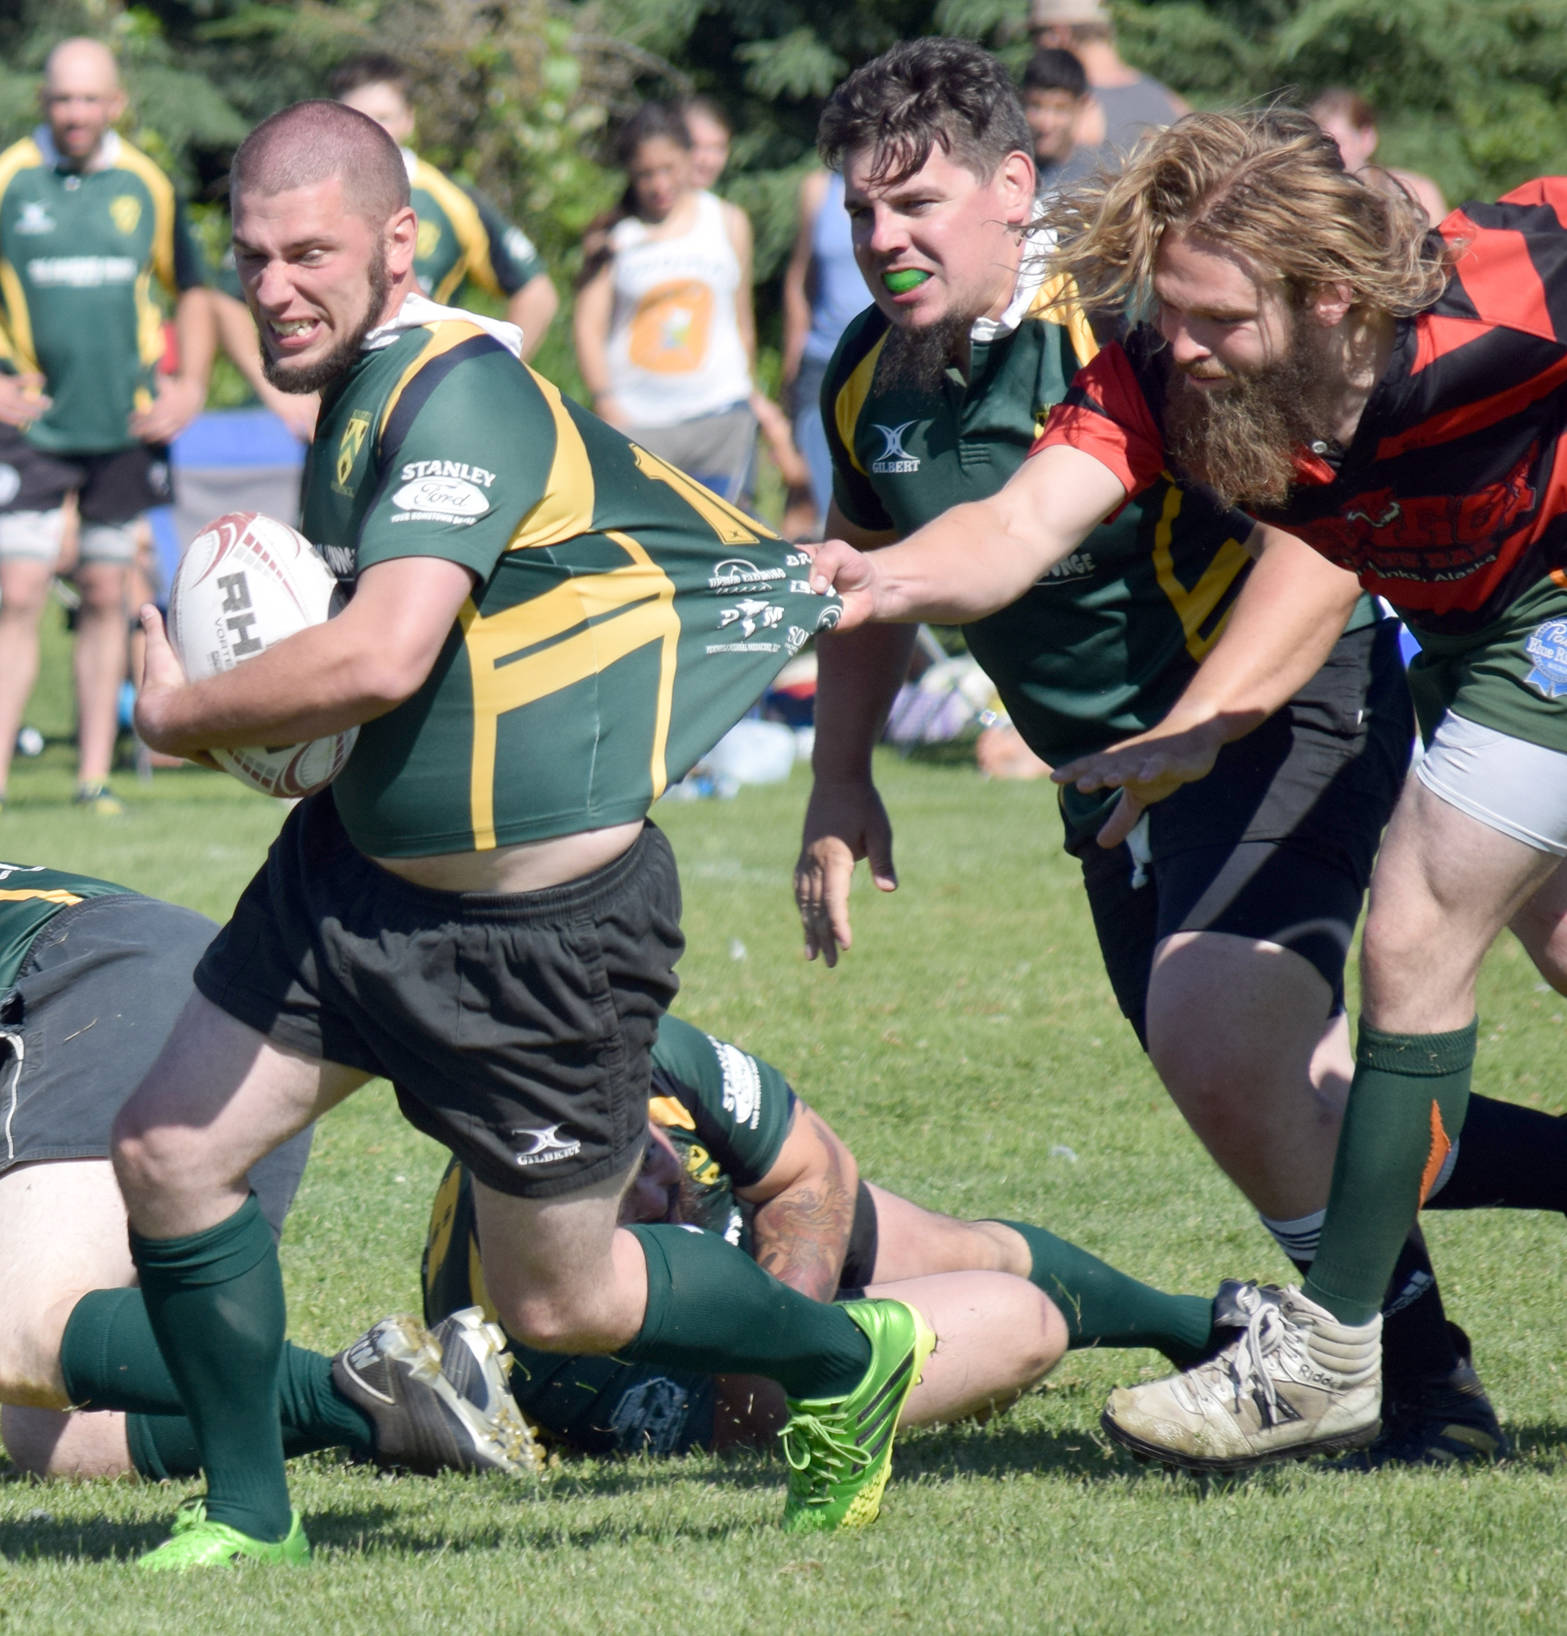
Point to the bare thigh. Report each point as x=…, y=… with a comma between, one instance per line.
x=219, y=1097
x=563, y=1276
x=62, y=1233
x=1445, y=885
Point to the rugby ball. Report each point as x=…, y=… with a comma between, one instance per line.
x=246, y=582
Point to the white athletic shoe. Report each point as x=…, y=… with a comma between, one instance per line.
x=1294, y=1382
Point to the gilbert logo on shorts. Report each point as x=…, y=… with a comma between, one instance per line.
x=541, y=1145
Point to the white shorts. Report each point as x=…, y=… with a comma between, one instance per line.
x=1507, y=784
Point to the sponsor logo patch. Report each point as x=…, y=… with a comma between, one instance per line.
x=894, y=457
x=742, y=1083
x=1547, y=649
x=450, y=498
x=125, y=212
x=735, y=573
x=541, y=1145
x=35, y=218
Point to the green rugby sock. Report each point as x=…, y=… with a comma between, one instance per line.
x=215, y=1302
x=1104, y=1307
x=710, y=1308
x=1406, y=1107
x=313, y=1414
x=110, y=1360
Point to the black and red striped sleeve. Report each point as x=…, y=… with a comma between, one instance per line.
x=1106, y=414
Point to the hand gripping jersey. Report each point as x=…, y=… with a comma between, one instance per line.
x=1452, y=499
x=30, y=897
x=462, y=238
x=78, y=254
x=623, y=617
x=727, y=1114
x=1102, y=645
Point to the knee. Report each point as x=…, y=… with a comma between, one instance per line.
x=1045, y=1337
x=549, y=1322
x=150, y=1161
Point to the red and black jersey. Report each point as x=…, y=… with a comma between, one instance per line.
x=1452, y=498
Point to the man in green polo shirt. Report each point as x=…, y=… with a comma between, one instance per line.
x=1225, y=926
x=87, y=223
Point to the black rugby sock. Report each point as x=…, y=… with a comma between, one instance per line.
x=1509, y=1157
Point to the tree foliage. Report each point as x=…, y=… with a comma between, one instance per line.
x=518, y=96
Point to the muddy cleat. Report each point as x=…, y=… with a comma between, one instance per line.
x=840, y=1449
x=195, y=1542
x=1293, y=1382
x=1441, y=1420
x=438, y=1397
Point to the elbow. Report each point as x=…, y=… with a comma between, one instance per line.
x=383, y=680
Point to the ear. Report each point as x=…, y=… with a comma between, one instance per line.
x=1016, y=179
x=402, y=241
x=1331, y=304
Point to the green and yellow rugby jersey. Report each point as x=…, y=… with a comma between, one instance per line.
x=30, y=897
x=79, y=254
x=463, y=239
x=623, y=619
x=1100, y=647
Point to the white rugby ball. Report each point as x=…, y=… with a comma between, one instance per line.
x=246, y=582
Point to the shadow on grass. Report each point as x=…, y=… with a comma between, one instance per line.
x=41, y=1537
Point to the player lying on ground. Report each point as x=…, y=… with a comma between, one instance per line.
x=92, y=976
x=1392, y=396
x=734, y=1151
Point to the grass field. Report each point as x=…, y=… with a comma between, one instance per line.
x=969, y=1051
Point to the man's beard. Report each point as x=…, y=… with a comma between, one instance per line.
x=914, y=360
x=312, y=377
x=1240, y=439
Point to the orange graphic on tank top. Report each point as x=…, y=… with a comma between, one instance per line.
x=670, y=328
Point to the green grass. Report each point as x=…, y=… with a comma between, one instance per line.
x=969, y=1051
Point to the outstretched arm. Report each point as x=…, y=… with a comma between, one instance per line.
x=976, y=558
x=1284, y=623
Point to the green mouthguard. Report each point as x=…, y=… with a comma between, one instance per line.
x=902, y=282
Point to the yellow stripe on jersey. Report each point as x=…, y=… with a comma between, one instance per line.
x=579, y=629
x=162, y=191
x=570, y=494
x=851, y=400
x=1056, y=302
x=670, y=1112
x=463, y=215
x=36, y=894
x=445, y=334
x=1194, y=604
x=16, y=335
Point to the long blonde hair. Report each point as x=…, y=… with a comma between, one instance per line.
x=1265, y=184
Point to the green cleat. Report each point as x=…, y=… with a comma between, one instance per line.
x=194, y=1542
x=840, y=1449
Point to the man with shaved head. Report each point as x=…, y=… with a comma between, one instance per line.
x=86, y=223
x=547, y=624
